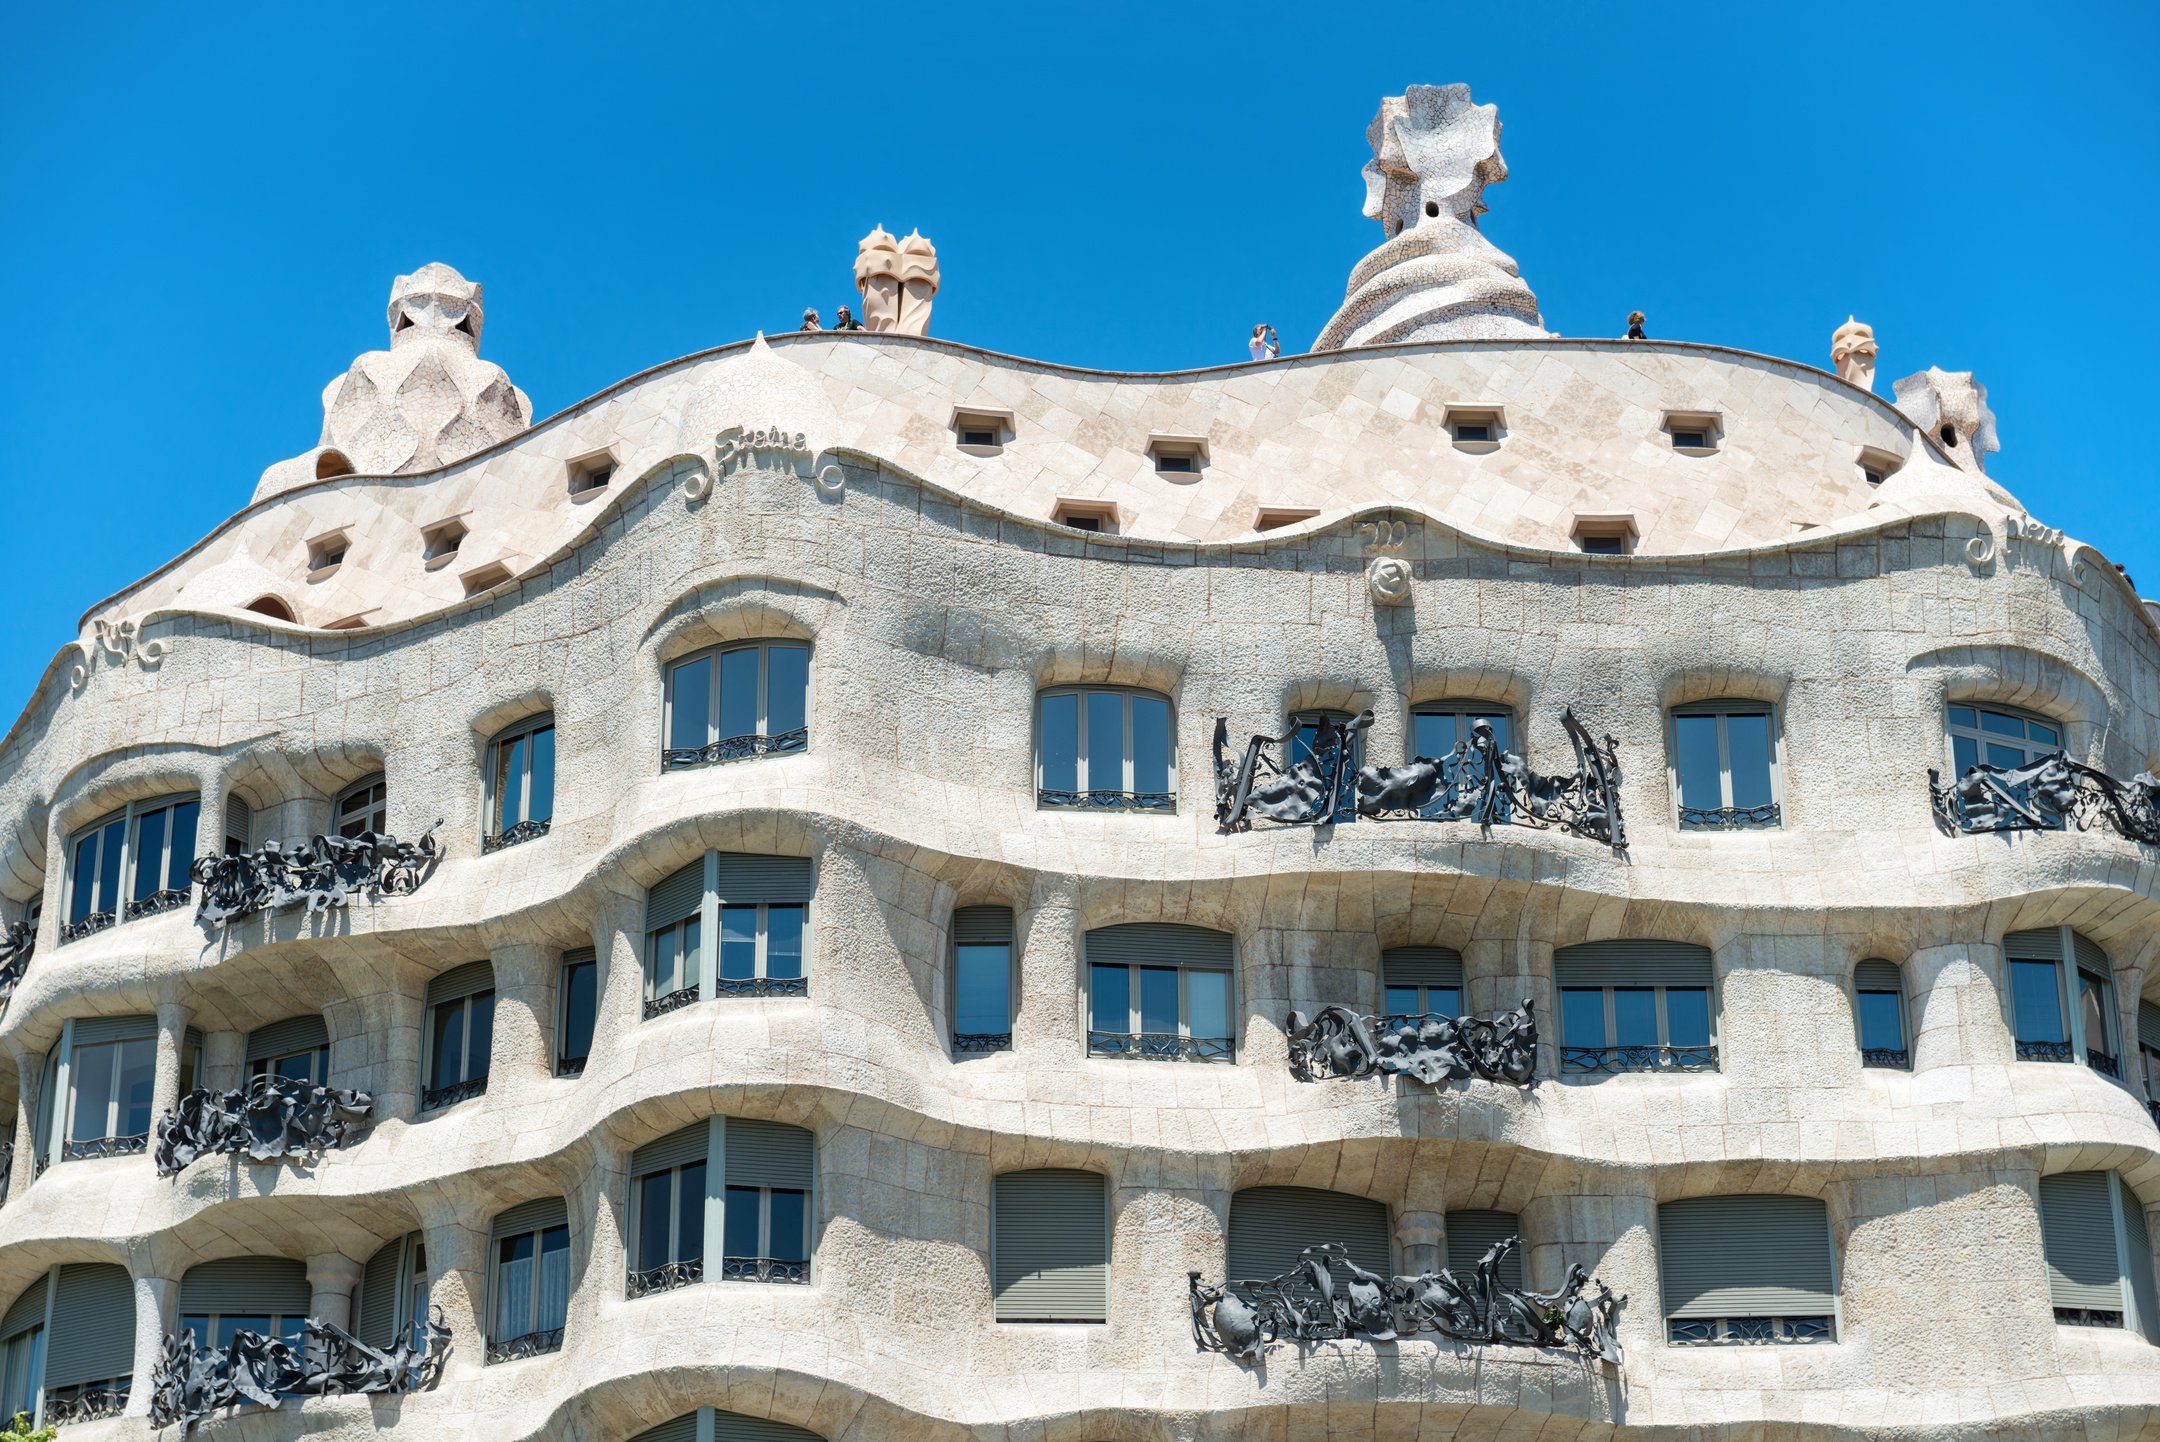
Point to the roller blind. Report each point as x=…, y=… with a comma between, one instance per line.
x=380, y=1286
x=768, y=1154
x=1269, y=1226
x=672, y=1150
x=93, y=1325
x=1158, y=943
x=982, y=926
x=1632, y=962
x=675, y=897
x=1760, y=1256
x=735, y=1427
x=1875, y=975
x=470, y=979
x=1470, y=1234
x=1050, y=1247
x=578, y=956
x=2090, y=956
x=1421, y=966
x=532, y=1216
x=2149, y=1025
x=2077, y=1233
x=2044, y=944
x=247, y=1285
x=26, y=1311
x=283, y=1038
x=236, y=821
x=91, y=1029
x=745, y=877
x=680, y=1429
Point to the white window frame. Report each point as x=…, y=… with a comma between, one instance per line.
x=712, y=1262
x=673, y=934
x=1905, y=1017
x=2067, y=1000
x=558, y=1061
x=130, y=816
x=1723, y=710
x=318, y=1071
x=495, y=783
x=495, y=1287
x=427, y=1042
x=764, y=646
x=1610, y=1040
x=211, y=1320
x=1086, y=776
x=377, y=808
x=1424, y=997
x=2031, y=750
x=765, y=1203
x=762, y=938
x=1134, y=1007
x=70, y=1073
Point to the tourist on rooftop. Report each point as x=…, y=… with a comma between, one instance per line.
x=810, y=319
x=845, y=320
x=1264, y=345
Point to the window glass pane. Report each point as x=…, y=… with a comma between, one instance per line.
x=789, y=1237
x=1687, y=1016
x=199, y=1324
x=663, y=953
x=2005, y=756
x=1747, y=745
x=1444, y=1000
x=1882, y=1024
x=1961, y=716
x=1582, y=1016
x=82, y=899
x=690, y=713
x=1105, y=741
x=1401, y=1001
x=110, y=851
x=738, y=943
x=1432, y=734
x=416, y=1308
x=982, y=988
x=2044, y=738
x=540, y=805
x=92, y=1068
x=783, y=941
x=579, y=1002
x=23, y=1368
x=1110, y=998
x=138, y=1073
x=739, y=692
x=449, y=1045
x=513, y=1284
x=511, y=763
x=300, y=1066
x=1964, y=753
x=480, y=1034
x=787, y=689
x=1151, y=744
x=1634, y=1016
x=1159, y=999
x=743, y=1204
x=2002, y=725
x=2092, y=1012
x=554, y=1303
x=2036, y=1002
x=1695, y=757
x=654, y=1195
x=1061, y=743
x=292, y=1331
x=149, y=852
x=1207, y=996
x=690, y=1212
x=227, y=1326
x=181, y=853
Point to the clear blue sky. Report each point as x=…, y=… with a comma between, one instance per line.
x=206, y=205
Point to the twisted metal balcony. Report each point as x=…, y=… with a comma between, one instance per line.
x=90, y=925
x=2102, y=1063
x=532, y=1344
x=94, y=1148
x=674, y=1000
x=734, y=748
x=2042, y=1050
x=270, y=1119
x=665, y=1278
x=2087, y=1317
x=513, y=836
x=2050, y=794
x=976, y=1042
x=321, y=873
x=1158, y=1046
x=1886, y=1056
x=18, y=940
x=87, y=1402
x=192, y=1382
x=761, y=986
x=1429, y=1047
x=1615, y=1060
x=1164, y=801
x=170, y=899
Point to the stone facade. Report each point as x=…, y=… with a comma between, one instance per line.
x=813, y=489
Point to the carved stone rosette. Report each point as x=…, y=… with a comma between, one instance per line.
x=1326, y=1297
x=271, y=1119
x=2050, y=794
x=190, y=1383
x=324, y=872
x=1337, y=1042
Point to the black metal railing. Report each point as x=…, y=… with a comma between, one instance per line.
x=436, y=1098
x=981, y=1041
x=271, y=1119
x=90, y=925
x=1888, y=1056
x=2042, y=1050
x=2153, y=1107
x=170, y=899
x=570, y=1066
x=1428, y=1046
x=18, y=940
x=1158, y=1046
x=675, y=1000
x=2087, y=1317
x=1107, y=800
x=319, y=873
x=1613, y=1060
x=665, y=1278
x=1702, y=1331
x=734, y=748
x=92, y=1148
x=2102, y=1063
x=2050, y=793
x=532, y=1344
x=87, y=1401
x=761, y=986
x=764, y=1269
x=1730, y=818
x=522, y=832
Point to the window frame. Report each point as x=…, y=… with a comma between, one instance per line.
x=713, y=1217
x=759, y=983
x=1185, y=1046
x=69, y=1081
x=1728, y=817
x=207, y=1338
x=1899, y=1057
x=952, y=990
x=494, y=836
x=2068, y=1003
x=762, y=742
x=1667, y=1060
x=449, y=1094
x=318, y=1072
x=565, y=1065
x=492, y=1323
x=125, y=905
x=375, y=807
x=1981, y=738
x=1125, y=798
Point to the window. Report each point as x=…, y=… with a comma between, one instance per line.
x=1103, y=748
x=592, y=473
x=2099, y=1253
x=520, y=783
x=265, y=1295
x=1419, y=982
x=1050, y=1246
x=711, y=1422
x=981, y=432
x=107, y=1068
x=1305, y=741
x=735, y=702
x=297, y=1049
x=760, y=908
x=1181, y=456
x=392, y=1304
x=460, y=1033
x=132, y=863
x=275, y=607
x=22, y=1349
x=1475, y=430
x=1471, y=1234
x=2042, y=1026
x=1159, y=991
x=325, y=554
x=70, y=1336
x=982, y=978
x=1609, y=535
x=439, y=543
x=529, y=1252
x=750, y=1181
x=239, y=825
x=1877, y=466
x=1100, y=517
x=1724, y=765
x=1997, y=736
x=1437, y=728
x=577, y=1005
x=363, y=808
x=1274, y=518
x=1879, y=1013
x=1634, y=1006
x=1746, y=1269
x=484, y=578
x=2148, y=1025
x=1269, y=1226
x=1694, y=432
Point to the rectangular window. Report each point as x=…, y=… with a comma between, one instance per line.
x=1882, y=1029
x=768, y=1232
x=1159, y=991
x=22, y=1371
x=1050, y=1246
x=1105, y=750
x=1635, y=1005
x=1746, y=1268
x=461, y=1032
x=754, y=1191
x=133, y=863
x=521, y=784
x=109, y=1106
x=982, y=979
x=737, y=702
x=671, y=1229
x=761, y=949
x=675, y=962
x=1725, y=767
x=363, y=809
x=1999, y=737
x=579, y=1005
x=2096, y=1016
x=532, y=1293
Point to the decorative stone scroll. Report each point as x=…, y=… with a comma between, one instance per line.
x=1430, y=1048
x=270, y=1119
x=121, y=640
x=763, y=448
x=1326, y=1297
x=2048, y=794
x=1476, y=781
x=325, y=872
x=189, y=1383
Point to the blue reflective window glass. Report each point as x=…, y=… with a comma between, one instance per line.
x=1061, y=743
x=788, y=1232
x=448, y=1045
x=1582, y=1016
x=783, y=941
x=738, y=943
x=1109, y=998
x=540, y=805
x=1964, y=753
x=1634, y=1016
x=1747, y=748
x=1207, y=1001
x=1687, y=1016
x=92, y=1071
x=1695, y=758
x=742, y=1224
x=1401, y=1001
x=787, y=689
x=138, y=1074
x=150, y=851
x=739, y=692
x=554, y=1303
x=655, y=1196
x=1432, y=735
x=1151, y=744
x=513, y=1285
x=512, y=761
x=690, y=1213
x=479, y=1034
x=1158, y=999
x=1105, y=741
x=690, y=705
x=982, y=988
x=580, y=1003
x=1882, y=1021
x=2036, y=1000
x=180, y=853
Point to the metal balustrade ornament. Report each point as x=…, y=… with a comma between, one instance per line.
x=734, y=748
x=190, y=1382
x=761, y=986
x=91, y=1402
x=435, y=1098
x=1159, y=1046
x=1730, y=818
x=271, y=1119
x=1747, y=1331
x=172, y=898
x=522, y=832
x=1618, y=1060
x=90, y=1149
x=1326, y=1297
x=982, y=1041
x=95, y=922
x=7, y=1166
x=18, y=940
x=532, y=1344
x=763, y=1269
x=1476, y=781
x=1107, y=800
x=665, y=1278
x=672, y=1001
x=323, y=872
x=2047, y=794
x=1338, y=1042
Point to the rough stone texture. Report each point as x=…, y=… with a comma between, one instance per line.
x=1952, y=407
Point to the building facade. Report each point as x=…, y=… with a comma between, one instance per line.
x=853, y=886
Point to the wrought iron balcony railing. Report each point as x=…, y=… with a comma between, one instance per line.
x=1614, y=1060
x=1710, y=1331
x=734, y=748
x=1158, y=1046
x=2048, y=794
x=2042, y=1050
x=2152, y=1107
x=532, y=1344
x=1430, y=1047
x=570, y=1066
x=675, y=1000
x=1730, y=818
x=2102, y=1063
x=170, y=899
x=764, y=1269
x=522, y=832
x=974, y=1042
x=87, y=1402
x=1886, y=1056
x=761, y=986
x=18, y=940
x=2087, y=1317
x=436, y=1098
x=1317, y=783
x=665, y=1278
x=191, y=1382
x=321, y=873
x=271, y=1119
x=92, y=1148
x=1165, y=801
x=90, y=925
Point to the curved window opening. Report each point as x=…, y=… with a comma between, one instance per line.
x=332, y=464
x=731, y=703
x=1746, y=1269
x=1160, y=991
x=296, y=1049
x=1635, y=1006
x=272, y=606
x=362, y=808
x=529, y=1260
x=982, y=944
x=132, y=863
x=577, y=1006
x=2062, y=999
x=1879, y=1014
x=754, y=1180
x=460, y=1035
x=1725, y=766
x=1050, y=1246
x=1439, y=729
x=1105, y=748
x=520, y=783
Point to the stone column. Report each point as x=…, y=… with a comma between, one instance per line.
x=618, y=933
x=376, y=1048
x=1957, y=1007
x=1047, y=1021
x=30, y=1081
x=1420, y=1242
x=524, y=1017
x=172, y=1020
x=1493, y=979
x=224, y=1060
x=157, y=1314
x=457, y=1274
x=332, y=1279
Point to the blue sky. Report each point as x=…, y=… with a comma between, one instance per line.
x=207, y=205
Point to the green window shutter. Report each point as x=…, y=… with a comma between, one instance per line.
x=236, y=821
x=2137, y=1241
x=381, y=1284
x=1421, y=966
x=769, y=1154
x=2077, y=1233
x=673, y=1150
x=2149, y=1024
x=283, y=1038
x=532, y=1216
x=679, y=1429
x=247, y=1284
x=470, y=979
x=735, y=1427
x=2045, y=944
x=93, y=1325
x=26, y=1311
x=1633, y=962
x=1270, y=1225
x=746, y=878
x=1874, y=975
x=1745, y=1256
x=982, y=926
x=675, y=897
x=1470, y=1234
x=91, y=1029
x=1050, y=1246
x=1158, y=943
